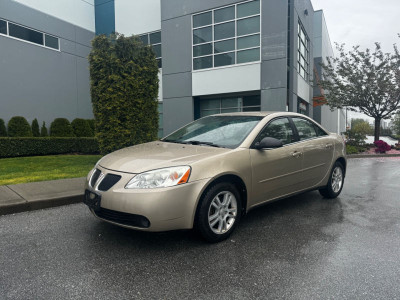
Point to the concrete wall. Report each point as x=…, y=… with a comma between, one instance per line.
x=77, y=12
x=42, y=83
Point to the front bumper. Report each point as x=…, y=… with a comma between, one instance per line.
x=165, y=208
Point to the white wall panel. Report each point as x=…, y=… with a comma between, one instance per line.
x=137, y=16
x=77, y=12
x=227, y=80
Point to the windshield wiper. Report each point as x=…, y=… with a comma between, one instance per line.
x=201, y=143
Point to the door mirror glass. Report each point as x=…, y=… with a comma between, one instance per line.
x=268, y=143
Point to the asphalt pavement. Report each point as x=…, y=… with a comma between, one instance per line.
x=304, y=247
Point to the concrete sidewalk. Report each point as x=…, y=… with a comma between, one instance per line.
x=38, y=195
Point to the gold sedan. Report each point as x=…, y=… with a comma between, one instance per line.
x=211, y=172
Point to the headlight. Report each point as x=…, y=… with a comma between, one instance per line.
x=160, y=178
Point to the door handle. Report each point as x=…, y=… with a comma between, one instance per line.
x=296, y=154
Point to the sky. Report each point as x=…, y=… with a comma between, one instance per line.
x=362, y=22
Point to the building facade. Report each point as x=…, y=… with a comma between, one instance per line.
x=214, y=56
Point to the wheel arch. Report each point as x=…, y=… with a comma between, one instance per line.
x=343, y=161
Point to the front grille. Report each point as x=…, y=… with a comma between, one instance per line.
x=95, y=177
x=123, y=218
x=108, y=182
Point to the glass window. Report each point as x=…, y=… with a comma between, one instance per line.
x=203, y=49
x=202, y=19
x=202, y=62
x=279, y=129
x=319, y=130
x=303, y=56
x=144, y=38
x=224, y=59
x=155, y=37
x=224, y=46
x=251, y=101
x=248, y=26
x=3, y=27
x=51, y=41
x=230, y=102
x=248, y=55
x=235, y=27
x=26, y=34
x=157, y=50
x=224, y=14
x=202, y=35
x=222, y=131
x=248, y=41
x=159, y=62
x=224, y=31
x=305, y=128
x=248, y=9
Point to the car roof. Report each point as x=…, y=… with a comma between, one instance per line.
x=261, y=114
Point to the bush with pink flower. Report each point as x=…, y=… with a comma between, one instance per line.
x=381, y=146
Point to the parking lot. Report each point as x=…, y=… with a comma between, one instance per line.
x=304, y=247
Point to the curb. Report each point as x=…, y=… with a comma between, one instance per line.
x=371, y=155
x=39, y=204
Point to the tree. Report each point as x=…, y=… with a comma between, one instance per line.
x=61, y=127
x=81, y=128
x=364, y=81
x=19, y=127
x=35, y=128
x=3, y=130
x=43, y=130
x=124, y=90
x=396, y=123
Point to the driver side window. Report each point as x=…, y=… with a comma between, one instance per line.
x=279, y=129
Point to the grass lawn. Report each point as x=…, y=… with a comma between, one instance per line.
x=40, y=168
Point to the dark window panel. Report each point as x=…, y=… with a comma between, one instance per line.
x=248, y=55
x=224, y=31
x=202, y=63
x=51, y=41
x=157, y=50
x=3, y=27
x=201, y=50
x=202, y=19
x=155, y=38
x=251, y=100
x=248, y=26
x=202, y=35
x=224, y=46
x=224, y=59
x=26, y=34
x=224, y=14
x=144, y=38
x=248, y=41
x=159, y=62
x=248, y=9
x=230, y=102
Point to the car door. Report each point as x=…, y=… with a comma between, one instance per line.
x=276, y=172
x=318, y=149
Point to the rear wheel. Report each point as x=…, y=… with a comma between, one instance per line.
x=335, y=183
x=218, y=212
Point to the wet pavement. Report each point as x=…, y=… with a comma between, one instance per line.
x=304, y=247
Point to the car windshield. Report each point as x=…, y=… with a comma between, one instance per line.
x=215, y=131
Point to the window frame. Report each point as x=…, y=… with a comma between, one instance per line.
x=27, y=41
x=300, y=56
x=158, y=58
x=313, y=123
x=235, y=37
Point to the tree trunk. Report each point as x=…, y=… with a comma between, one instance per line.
x=377, y=129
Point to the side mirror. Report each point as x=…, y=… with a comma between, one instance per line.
x=268, y=143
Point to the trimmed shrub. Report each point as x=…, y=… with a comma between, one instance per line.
x=35, y=128
x=81, y=128
x=29, y=146
x=19, y=127
x=91, y=123
x=124, y=90
x=43, y=130
x=61, y=127
x=3, y=130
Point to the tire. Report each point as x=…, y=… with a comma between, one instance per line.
x=335, y=183
x=219, y=212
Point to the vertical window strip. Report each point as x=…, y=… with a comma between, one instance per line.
x=303, y=58
x=147, y=35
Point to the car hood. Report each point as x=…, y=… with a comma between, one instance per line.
x=156, y=155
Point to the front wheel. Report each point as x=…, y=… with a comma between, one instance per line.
x=335, y=183
x=218, y=212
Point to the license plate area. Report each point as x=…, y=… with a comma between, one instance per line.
x=93, y=200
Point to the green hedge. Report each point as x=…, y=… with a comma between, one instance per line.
x=29, y=146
